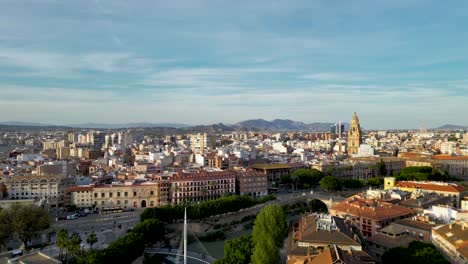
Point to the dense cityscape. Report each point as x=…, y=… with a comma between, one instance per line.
x=344, y=194
x=233, y=132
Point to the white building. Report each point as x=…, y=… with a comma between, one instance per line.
x=365, y=150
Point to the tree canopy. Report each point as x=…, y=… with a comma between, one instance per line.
x=352, y=183
x=23, y=220
x=417, y=252
x=376, y=181
x=308, y=176
x=268, y=234
x=170, y=213
x=330, y=183
x=237, y=251
x=423, y=173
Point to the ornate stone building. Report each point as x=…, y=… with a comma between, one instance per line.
x=354, y=136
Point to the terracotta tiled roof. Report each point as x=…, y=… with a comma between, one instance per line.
x=79, y=188
x=371, y=209
x=431, y=186
x=448, y=157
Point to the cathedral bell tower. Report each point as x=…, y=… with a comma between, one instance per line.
x=354, y=136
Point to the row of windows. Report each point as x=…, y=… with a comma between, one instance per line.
x=118, y=194
x=201, y=183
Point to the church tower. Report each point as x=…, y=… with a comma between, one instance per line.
x=354, y=136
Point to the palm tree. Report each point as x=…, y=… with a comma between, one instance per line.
x=74, y=244
x=92, y=239
x=62, y=241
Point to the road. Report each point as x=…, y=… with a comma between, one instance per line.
x=105, y=226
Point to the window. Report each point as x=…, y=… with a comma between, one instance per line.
x=126, y=202
x=126, y=194
x=134, y=193
x=118, y=194
x=110, y=194
x=95, y=195
x=103, y=195
x=152, y=192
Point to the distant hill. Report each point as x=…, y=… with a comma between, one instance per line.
x=452, y=127
x=283, y=125
x=215, y=128
x=253, y=125
x=28, y=124
x=127, y=125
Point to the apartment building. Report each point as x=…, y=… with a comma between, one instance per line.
x=276, y=170
x=370, y=216
x=252, y=183
x=49, y=188
x=452, y=190
x=201, y=186
x=452, y=241
x=454, y=165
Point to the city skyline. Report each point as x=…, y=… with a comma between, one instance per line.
x=398, y=65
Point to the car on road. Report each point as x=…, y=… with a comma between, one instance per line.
x=72, y=216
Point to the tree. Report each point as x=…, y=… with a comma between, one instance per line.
x=317, y=206
x=308, y=176
x=382, y=168
x=330, y=183
x=237, y=251
x=24, y=220
x=417, y=252
x=92, y=239
x=5, y=228
x=270, y=223
x=375, y=181
x=74, y=245
x=62, y=241
x=352, y=183
x=265, y=252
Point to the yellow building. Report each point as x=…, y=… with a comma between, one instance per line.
x=146, y=194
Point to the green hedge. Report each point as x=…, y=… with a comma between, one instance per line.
x=203, y=210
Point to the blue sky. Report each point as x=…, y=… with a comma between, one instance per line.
x=399, y=64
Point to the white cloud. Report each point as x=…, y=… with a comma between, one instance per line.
x=333, y=76
x=55, y=64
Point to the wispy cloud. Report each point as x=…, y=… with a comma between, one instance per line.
x=332, y=76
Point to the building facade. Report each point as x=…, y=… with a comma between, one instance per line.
x=130, y=195
x=201, y=186
x=252, y=183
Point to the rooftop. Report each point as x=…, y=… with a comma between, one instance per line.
x=372, y=209
x=431, y=186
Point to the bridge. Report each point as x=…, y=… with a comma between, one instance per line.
x=329, y=201
x=194, y=257
x=182, y=254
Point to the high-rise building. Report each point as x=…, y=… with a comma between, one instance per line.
x=200, y=142
x=354, y=136
x=337, y=129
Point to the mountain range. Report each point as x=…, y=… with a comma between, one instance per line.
x=252, y=124
x=452, y=127
x=283, y=125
